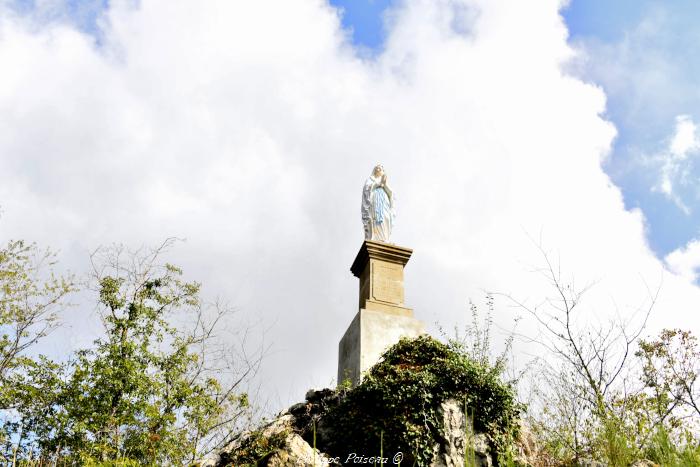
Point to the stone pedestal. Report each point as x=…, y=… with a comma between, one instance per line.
x=382, y=318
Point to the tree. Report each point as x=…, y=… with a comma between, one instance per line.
x=587, y=401
x=149, y=391
x=670, y=372
x=31, y=298
x=671, y=369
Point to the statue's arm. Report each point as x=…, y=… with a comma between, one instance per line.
x=387, y=190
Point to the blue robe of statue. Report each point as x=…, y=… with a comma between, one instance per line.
x=377, y=210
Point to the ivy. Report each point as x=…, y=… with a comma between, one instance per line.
x=400, y=398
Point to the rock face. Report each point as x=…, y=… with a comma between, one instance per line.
x=459, y=440
x=290, y=436
x=296, y=453
x=289, y=447
x=526, y=446
x=406, y=410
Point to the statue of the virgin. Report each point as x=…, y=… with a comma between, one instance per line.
x=377, y=206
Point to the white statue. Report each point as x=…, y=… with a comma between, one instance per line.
x=377, y=207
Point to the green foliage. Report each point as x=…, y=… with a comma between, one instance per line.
x=655, y=419
x=667, y=450
x=475, y=340
x=255, y=448
x=141, y=394
x=615, y=444
x=401, y=397
x=30, y=296
x=671, y=370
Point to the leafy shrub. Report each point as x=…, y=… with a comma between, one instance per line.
x=399, y=401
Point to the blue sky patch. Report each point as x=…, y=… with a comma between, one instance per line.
x=83, y=14
x=643, y=55
x=365, y=19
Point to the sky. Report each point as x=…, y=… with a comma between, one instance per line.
x=503, y=127
x=641, y=52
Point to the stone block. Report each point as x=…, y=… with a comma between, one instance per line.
x=370, y=333
x=379, y=266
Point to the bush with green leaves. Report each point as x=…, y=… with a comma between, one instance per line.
x=397, y=404
x=145, y=392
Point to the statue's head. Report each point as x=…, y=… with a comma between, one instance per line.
x=378, y=170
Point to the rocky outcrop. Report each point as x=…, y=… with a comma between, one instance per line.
x=526, y=446
x=423, y=404
x=458, y=439
x=288, y=439
x=409, y=410
x=281, y=446
x=296, y=453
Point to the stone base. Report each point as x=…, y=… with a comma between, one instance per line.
x=370, y=333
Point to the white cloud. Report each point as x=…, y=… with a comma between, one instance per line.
x=685, y=261
x=251, y=134
x=676, y=161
